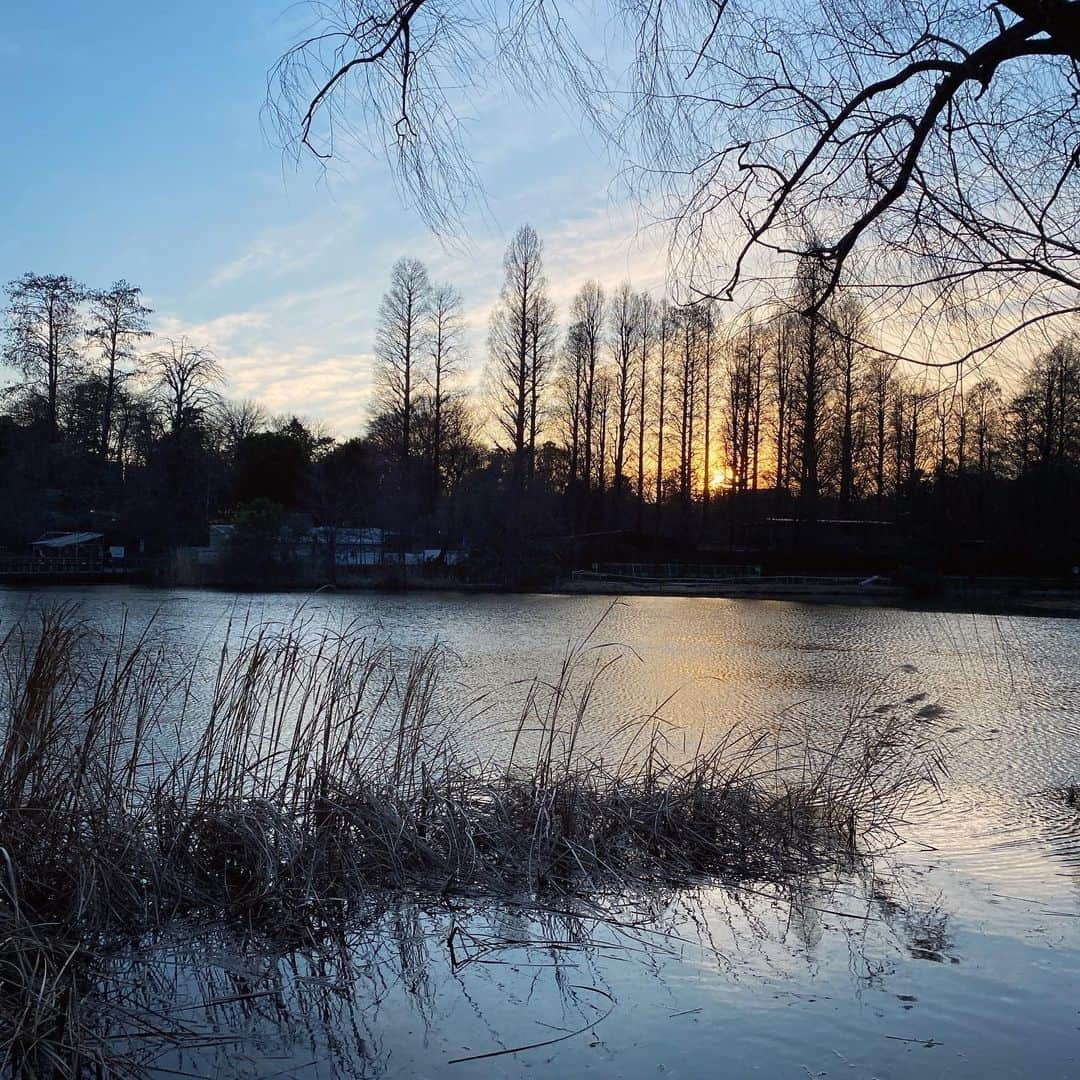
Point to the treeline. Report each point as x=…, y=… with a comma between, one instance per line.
x=626, y=426
x=112, y=429
x=670, y=421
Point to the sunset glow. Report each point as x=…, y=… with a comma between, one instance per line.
x=719, y=478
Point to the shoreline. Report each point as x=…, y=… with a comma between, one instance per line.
x=1003, y=596
x=1006, y=598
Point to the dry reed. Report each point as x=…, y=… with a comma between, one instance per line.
x=323, y=772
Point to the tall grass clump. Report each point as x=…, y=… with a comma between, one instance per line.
x=322, y=772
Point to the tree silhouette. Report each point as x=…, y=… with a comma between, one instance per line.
x=118, y=322
x=44, y=331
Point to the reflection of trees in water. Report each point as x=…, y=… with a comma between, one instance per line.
x=209, y=1003
x=918, y=926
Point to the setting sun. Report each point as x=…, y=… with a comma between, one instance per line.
x=719, y=478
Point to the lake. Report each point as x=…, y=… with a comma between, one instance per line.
x=957, y=954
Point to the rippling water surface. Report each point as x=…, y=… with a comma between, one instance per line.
x=957, y=956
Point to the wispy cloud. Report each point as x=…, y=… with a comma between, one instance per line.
x=214, y=331
x=277, y=254
x=291, y=312
x=308, y=349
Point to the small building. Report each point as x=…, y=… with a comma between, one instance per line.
x=84, y=549
x=351, y=547
x=221, y=536
x=314, y=548
x=446, y=556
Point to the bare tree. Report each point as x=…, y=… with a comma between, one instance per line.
x=743, y=405
x=880, y=381
x=1050, y=396
x=459, y=435
x=985, y=409
x=185, y=377
x=625, y=314
x=445, y=334
x=401, y=343
x=543, y=335
x=118, y=322
x=571, y=384
x=665, y=330
x=781, y=378
x=238, y=420
x=601, y=426
x=44, y=332
x=688, y=334
x=756, y=390
x=946, y=414
x=708, y=358
x=847, y=323
x=908, y=409
x=519, y=346
x=645, y=343
x=587, y=325
x=937, y=140
x=812, y=343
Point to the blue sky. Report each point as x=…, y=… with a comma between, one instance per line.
x=134, y=148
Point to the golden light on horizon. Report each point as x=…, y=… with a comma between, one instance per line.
x=719, y=478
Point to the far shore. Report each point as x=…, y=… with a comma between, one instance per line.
x=1004, y=596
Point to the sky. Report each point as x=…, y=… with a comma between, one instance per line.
x=134, y=147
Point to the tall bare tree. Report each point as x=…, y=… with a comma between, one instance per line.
x=625, y=315
x=755, y=379
x=446, y=331
x=812, y=358
x=1051, y=396
x=45, y=328
x=708, y=362
x=602, y=400
x=543, y=336
x=665, y=333
x=645, y=343
x=743, y=402
x=985, y=409
x=881, y=382
x=848, y=326
x=519, y=323
x=572, y=397
x=401, y=344
x=780, y=380
x=119, y=320
x=687, y=401
x=587, y=327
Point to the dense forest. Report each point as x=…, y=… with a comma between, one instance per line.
x=627, y=427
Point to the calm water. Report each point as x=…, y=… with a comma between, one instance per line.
x=960, y=958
